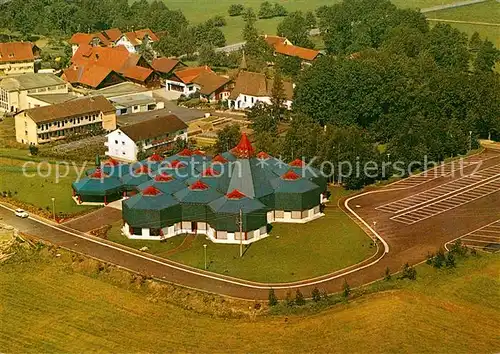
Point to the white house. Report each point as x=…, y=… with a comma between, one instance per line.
x=182, y=81
x=251, y=88
x=134, y=40
x=158, y=133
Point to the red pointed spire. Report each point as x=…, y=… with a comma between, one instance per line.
x=185, y=153
x=163, y=177
x=142, y=169
x=155, y=157
x=244, y=149
x=235, y=194
x=210, y=172
x=98, y=174
x=176, y=164
x=151, y=191
x=297, y=163
x=198, y=152
x=290, y=175
x=111, y=162
x=198, y=185
x=219, y=158
x=263, y=155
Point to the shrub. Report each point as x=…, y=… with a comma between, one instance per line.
x=33, y=150
x=387, y=275
x=272, y=299
x=346, y=289
x=218, y=21
x=299, y=298
x=316, y=295
x=236, y=10
x=409, y=272
x=458, y=248
x=288, y=299
x=450, y=260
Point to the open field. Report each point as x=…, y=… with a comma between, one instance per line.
x=201, y=10
x=292, y=252
x=48, y=306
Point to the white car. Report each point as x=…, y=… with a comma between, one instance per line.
x=21, y=213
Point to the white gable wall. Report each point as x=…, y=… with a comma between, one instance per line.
x=120, y=146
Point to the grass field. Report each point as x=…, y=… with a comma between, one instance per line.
x=291, y=252
x=47, y=306
x=201, y=10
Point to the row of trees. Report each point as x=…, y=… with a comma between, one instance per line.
x=64, y=17
x=266, y=10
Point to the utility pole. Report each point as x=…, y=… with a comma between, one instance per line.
x=54, y=208
x=205, y=253
x=240, y=223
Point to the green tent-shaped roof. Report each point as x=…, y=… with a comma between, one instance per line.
x=292, y=192
x=165, y=183
x=225, y=211
x=97, y=184
x=194, y=200
x=139, y=174
x=216, y=176
x=151, y=209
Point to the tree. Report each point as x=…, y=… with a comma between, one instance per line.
x=147, y=52
x=387, y=274
x=475, y=42
x=266, y=10
x=486, y=58
x=279, y=10
x=408, y=272
x=236, y=10
x=295, y=28
x=262, y=118
x=310, y=19
x=272, y=299
x=288, y=65
x=249, y=16
x=448, y=46
x=217, y=21
x=450, y=260
x=346, y=290
x=316, y=295
x=227, y=138
x=33, y=150
x=299, y=298
x=278, y=97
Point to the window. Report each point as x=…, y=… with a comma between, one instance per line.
x=116, y=141
x=123, y=143
x=244, y=98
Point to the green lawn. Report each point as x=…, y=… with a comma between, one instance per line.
x=200, y=10
x=46, y=305
x=291, y=252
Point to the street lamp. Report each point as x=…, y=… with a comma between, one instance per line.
x=205, y=253
x=54, y=208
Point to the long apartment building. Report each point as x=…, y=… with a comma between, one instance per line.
x=45, y=124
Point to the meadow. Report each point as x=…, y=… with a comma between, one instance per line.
x=49, y=305
x=291, y=252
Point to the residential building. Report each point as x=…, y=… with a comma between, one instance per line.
x=274, y=40
x=166, y=66
x=250, y=88
x=213, y=87
x=134, y=40
x=99, y=67
x=45, y=124
x=18, y=58
x=283, y=46
x=182, y=81
x=157, y=133
x=15, y=90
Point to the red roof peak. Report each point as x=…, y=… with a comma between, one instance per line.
x=297, y=163
x=210, y=172
x=176, y=164
x=219, y=158
x=142, y=169
x=98, y=174
x=185, y=152
x=235, y=194
x=155, y=157
x=163, y=177
x=244, y=149
x=111, y=162
x=151, y=191
x=198, y=185
x=290, y=175
x=263, y=155
x=198, y=152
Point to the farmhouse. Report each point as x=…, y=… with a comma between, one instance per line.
x=282, y=46
x=18, y=58
x=160, y=132
x=181, y=81
x=20, y=92
x=251, y=87
x=231, y=198
x=134, y=40
x=213, y=87
x=45, y=124
x=166, y=66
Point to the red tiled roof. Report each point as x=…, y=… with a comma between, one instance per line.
x=297, y=163
x=210, y=172
x=294, y=51
x=165, y=65
x=155, y=157
x=185, y=153
x=198, y=152
x=81, y=38
x=151, y=191
x=273, y=40
x=164, y=177
x=258, y=85
x=146, y=31
x=188, y=75
x=235, y=194
x=210, y=82
x=244, y=149
x=198, y=185
x=219, y=158
x=290, y=176
x=16, y=51
x=137, y=73
x=263, y=155
x=89, y=75
x=113, y=34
